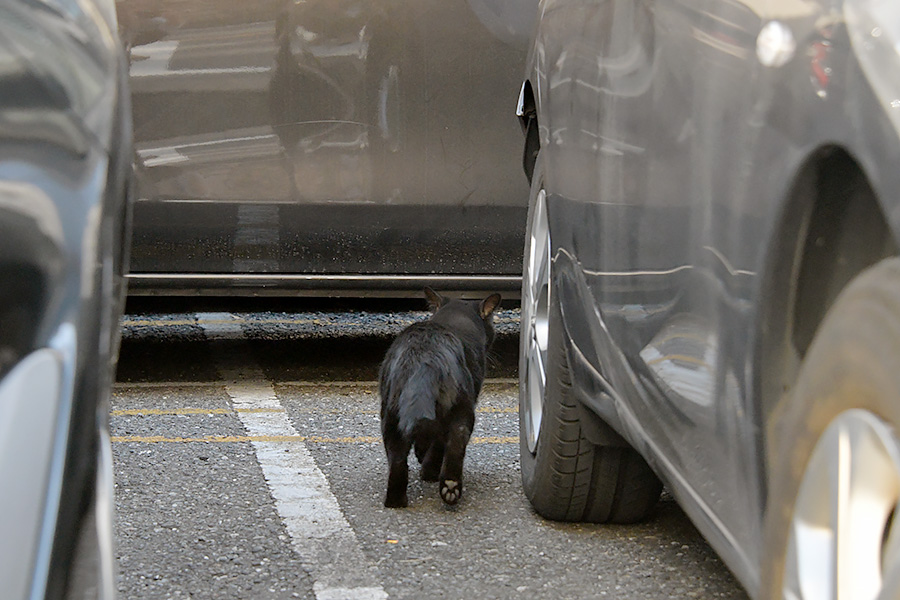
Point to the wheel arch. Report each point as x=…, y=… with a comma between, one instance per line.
x=831, y=228
x=526, y=111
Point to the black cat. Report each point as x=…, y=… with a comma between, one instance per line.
x=429, y=382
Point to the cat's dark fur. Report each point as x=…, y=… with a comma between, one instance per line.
x=429, y=382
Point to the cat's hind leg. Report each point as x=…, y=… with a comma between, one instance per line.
x=461, y=422
x=421, y=447
x=432, y=461
x=429, y=447
x=397, y=448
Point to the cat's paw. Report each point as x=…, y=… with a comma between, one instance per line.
x=451, y=491
x=396, y=501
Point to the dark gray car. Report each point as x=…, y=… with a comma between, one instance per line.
x=711, y=291
x=326, y=146
x=65, y=170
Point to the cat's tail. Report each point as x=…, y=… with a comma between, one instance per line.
x=417, y=404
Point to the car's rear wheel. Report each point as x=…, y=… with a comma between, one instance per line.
x=834, y=454
x=564, y=475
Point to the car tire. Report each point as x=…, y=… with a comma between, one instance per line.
x=834, y=454
x=564, y=475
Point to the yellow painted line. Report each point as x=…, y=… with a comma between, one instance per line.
x=170, y=411
x=124, y=385
x=139, y=412
x=152, y=385
x=159, y=439
x=189, y=411
x=495, y=440
x=491, y=381
x=137, y=385
x=315, y=439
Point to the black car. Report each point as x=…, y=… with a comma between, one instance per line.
x=711, y=287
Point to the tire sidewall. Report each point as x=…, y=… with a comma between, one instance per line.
x=527, y=459
x=853, y=363
x=536, y=467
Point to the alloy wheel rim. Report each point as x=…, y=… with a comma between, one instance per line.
x=535, y=320
x=844, y=541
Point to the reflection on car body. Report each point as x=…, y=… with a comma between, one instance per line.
x=326, y=146
x=65, y=167
x=711, y=251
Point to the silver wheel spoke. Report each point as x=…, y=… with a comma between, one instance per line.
x=537, y=363
x=842, y=544
x=536, y=383
x=535, y=332
x=890, y=561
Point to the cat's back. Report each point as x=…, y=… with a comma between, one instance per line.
x=422, y=338
x=424, y=344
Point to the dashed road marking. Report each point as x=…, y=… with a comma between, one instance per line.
x=319, y=531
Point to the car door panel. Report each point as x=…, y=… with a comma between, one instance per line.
x=663, y=261
x=258, y=126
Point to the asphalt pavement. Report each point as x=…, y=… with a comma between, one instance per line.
x=249, y=465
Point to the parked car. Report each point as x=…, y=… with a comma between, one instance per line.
x=326, y=146
x=711, y=287
x=65, y=165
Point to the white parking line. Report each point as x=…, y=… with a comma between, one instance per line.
x=319, y=531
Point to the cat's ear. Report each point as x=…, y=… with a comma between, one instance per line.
x=435, y=300
x=489, y=305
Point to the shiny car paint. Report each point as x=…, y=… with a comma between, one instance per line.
x=64, y=177
x=323, y=146
x=716, y=172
